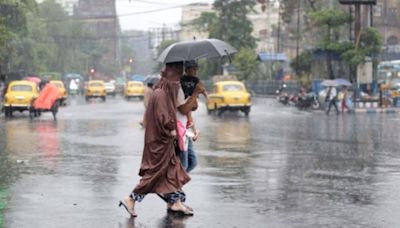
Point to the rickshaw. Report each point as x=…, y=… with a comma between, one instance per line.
x=46, y=101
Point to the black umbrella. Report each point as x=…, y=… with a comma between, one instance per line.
x=153, y=79
x=196, y=49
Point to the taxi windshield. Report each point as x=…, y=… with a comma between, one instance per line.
x=135, y=85
x=233, y=88
x=96, y=84
x=24, y=88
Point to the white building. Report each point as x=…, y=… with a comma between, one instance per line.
x=263, y=23
x=68, y=5
x=189, y=13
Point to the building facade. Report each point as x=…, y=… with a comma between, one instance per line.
x=189, y=13
x=100, y=17
x=264, y=24
x=386, y=18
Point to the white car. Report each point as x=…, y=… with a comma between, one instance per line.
x=110, y=88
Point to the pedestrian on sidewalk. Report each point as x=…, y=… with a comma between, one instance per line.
x=331, y=97
x=161, y=170
x=344, y=99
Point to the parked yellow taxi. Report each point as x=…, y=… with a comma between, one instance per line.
x=134, y=89
x=18, y=96
x=62, y=98
x=95, y=89
x=229, y=96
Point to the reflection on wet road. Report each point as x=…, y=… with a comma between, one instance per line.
x=277, y=168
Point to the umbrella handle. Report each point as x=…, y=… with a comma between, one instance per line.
x=229, y=57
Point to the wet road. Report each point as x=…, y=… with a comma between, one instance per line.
x=277, y=168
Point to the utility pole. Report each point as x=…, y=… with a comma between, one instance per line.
x=278, y=40
x=357, y=24
x=298, y=37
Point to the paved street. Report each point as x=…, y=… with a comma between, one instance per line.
x=278, y=168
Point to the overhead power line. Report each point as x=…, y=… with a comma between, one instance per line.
x=116, y=16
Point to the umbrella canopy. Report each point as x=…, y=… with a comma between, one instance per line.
x=32, y=79
x=195, y=49
x=329, y=83
x=152, y=79
x=343, y=82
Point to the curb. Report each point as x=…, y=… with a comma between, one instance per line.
x=377, y=110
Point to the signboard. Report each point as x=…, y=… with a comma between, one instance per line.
x=361, y=2
x=364, y=73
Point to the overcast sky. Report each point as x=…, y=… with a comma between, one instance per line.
x=144, y=14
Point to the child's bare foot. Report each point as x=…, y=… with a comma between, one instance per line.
x=178, y=206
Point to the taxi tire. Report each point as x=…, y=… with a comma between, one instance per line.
x=220, y=112
x=7, y=112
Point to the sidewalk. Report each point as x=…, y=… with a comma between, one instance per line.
x=377, y=110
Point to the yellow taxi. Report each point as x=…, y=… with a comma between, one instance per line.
x=229, y=96
x=61, y=89
x=95, y=89
x=18, y=96
x=134, y=89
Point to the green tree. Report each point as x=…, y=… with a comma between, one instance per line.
x=41, y=37
x=5, y=37
x=302, y=63
x=290, y=7
x=13, y=26
x=163, y=45
x=228, y=23
x=246, y=63
x=76, y=48
x=330, y=24
x=370, y=46
x=233, y=26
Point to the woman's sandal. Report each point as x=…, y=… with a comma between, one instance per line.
x=187, y=207
x=185, y=211
x=131, y=211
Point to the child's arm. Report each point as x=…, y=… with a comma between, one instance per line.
x=190, y=122
x=205, y=95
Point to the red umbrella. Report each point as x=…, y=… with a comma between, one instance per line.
x=33, y=79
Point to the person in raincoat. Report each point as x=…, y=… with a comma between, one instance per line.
x=47, y=97
x=161, y=170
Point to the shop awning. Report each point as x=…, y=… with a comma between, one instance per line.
x=265, y=56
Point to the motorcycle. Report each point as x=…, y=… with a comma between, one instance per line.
x=282, y=97
x=309, y=100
